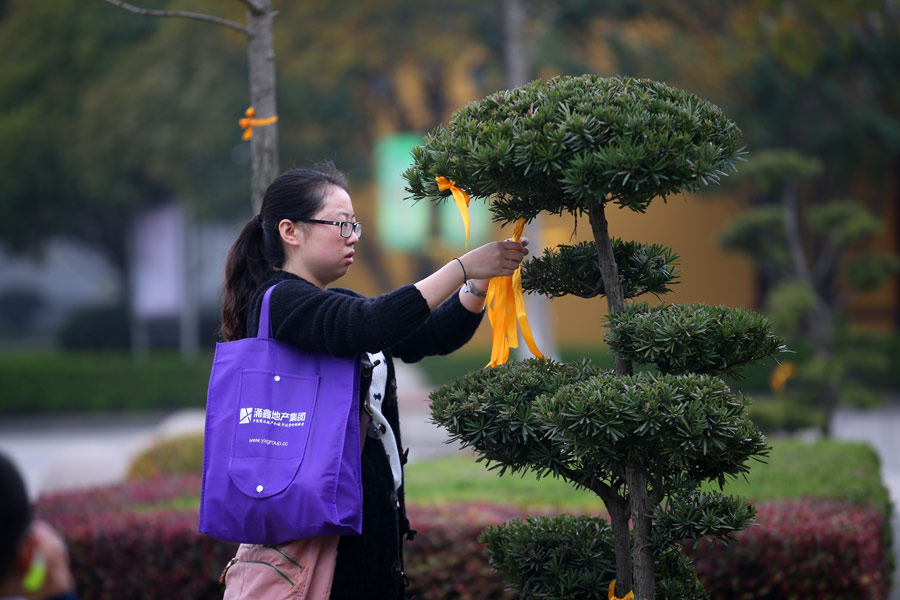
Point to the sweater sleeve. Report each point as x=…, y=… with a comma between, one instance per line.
x=449, y=326
x=342, y=324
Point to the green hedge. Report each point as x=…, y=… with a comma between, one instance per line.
x=76, y=382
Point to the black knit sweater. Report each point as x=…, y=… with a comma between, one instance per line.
x=343, y=323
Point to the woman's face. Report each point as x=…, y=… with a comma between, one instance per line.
x=326, y=256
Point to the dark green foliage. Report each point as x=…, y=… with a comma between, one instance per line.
x=843, y=223
x=762, y=233
x=695, y=338
x=871, y=271
x=681, y=429
x=564, y=144
x=771, y=169
x=101, y=382
x=491, y=411
x=572, y=557
x=696, y=515
x=574, y=270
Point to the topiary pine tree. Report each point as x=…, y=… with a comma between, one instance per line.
x=642, y=442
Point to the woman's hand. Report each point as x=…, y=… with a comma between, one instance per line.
x=494, y=259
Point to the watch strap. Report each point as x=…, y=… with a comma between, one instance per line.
x=472, y=289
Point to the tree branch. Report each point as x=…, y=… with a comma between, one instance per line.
x=252, y=6
x=178, y=13
x=828, y=258
x=792, y=225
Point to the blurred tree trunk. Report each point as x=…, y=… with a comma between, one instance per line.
x=261, y=58
x=261, y=61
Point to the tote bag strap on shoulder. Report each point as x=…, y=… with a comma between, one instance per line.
x=265, y=324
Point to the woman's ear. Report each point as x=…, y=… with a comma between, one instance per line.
x=290, y=233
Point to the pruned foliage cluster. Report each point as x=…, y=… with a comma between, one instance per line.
x=491, y=411
x=564, y=144
x=574, y=421
x=692, y=338
x=574, y=270
x=681, y=429
x=572, y=557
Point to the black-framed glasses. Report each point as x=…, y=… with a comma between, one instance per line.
x=346, y=227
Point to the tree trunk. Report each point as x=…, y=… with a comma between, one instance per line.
x=615, y=299
x=644, y=576
x=609, y=272
x=261, y=59
x=821, y=325
x=619, y=516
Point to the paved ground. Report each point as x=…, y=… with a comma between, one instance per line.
x=57, y=453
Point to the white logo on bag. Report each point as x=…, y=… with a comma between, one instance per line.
x=272, y=417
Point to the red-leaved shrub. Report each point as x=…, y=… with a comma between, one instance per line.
x=123, y=545
x=121, y=548
x=810, y=549
x=445, y=560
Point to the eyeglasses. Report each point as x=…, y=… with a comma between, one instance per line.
x=347, y=227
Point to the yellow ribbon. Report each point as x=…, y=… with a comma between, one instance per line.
x=506, y=307
x=780, y=376
x=612, y=593
x=462, y=200
x=249, y=122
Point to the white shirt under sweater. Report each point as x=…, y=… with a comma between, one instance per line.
x=378, y=424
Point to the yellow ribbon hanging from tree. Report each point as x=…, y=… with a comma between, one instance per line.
x=505, y=308
x=249, y=122
x=460, y=197
x=612, y=593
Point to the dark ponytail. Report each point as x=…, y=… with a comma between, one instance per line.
x=294, y=195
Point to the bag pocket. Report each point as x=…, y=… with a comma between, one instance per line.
x=271, y=430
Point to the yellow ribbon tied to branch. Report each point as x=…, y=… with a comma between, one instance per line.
x=249, y=122
x=505, y=302
x=612, y=593
x=505, y=308
x=460, y=197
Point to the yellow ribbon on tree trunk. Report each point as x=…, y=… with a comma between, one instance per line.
x=460, y=197
x=249, y=122
x=505, y=308
x=612, y=593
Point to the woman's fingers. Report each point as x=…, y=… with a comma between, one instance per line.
x=495, y=259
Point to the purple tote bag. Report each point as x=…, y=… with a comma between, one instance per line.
x=281, y=456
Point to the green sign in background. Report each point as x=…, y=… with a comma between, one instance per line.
x=404, y=225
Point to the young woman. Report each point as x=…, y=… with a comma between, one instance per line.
x=305, y=237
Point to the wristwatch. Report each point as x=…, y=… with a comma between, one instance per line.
x=471, y=288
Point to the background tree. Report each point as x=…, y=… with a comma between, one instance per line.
x=261, y=61
x=581, y=145
x=106, y=114
x=813, y=258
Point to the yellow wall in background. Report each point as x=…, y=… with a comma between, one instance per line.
x=690, y=225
